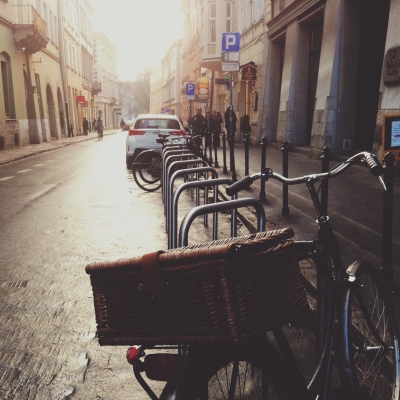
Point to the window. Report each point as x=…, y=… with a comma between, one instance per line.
x=249, y=13
x=7, y=86
x=213, y=22
x=229, y=12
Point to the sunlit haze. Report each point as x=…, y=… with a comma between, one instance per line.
x=142, y=30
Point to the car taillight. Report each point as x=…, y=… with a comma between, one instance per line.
x=181, y=132
x=134, y=132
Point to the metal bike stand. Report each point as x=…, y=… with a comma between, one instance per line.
x=164, y=155
x=182, y=163
x=170, y=185
x=166, y=165
x=172, y=233
x=226, y=205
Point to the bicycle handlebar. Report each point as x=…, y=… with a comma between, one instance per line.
x=370, y=159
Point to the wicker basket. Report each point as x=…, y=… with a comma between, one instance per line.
x=222, y=291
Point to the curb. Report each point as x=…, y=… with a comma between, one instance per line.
x=41, y=151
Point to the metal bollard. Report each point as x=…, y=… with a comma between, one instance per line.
x=231, y=141
x=224, y=169
x=246, y=139
x=263, y=162
x=324, y=184
x=285, y=173
x=387, y=223
x=215, y=144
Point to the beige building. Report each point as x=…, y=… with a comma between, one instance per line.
x=204, y=24
x=32, y=102
x=47, y=70
x=78, y=61
x=156, y=91
x=106, y=79
x=171, y=79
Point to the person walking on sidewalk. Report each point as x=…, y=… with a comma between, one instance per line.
x=85, y=125
x=99, y=128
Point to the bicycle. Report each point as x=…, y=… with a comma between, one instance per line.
x=354, y=320
x=148, y=165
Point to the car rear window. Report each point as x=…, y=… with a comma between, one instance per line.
x=156, y=124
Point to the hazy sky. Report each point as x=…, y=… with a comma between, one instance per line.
x=142, y=30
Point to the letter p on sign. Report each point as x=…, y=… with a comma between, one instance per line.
x=231, y=41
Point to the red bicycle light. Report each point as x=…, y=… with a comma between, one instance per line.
x=135, y=132
x=131, y=355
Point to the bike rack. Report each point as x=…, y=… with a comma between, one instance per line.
x=226, y=205
x=170, y=186
x=191, y=162
x=172, y=231
x=166, y=167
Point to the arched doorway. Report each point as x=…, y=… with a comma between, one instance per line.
x=61, y=113
x=52, y=112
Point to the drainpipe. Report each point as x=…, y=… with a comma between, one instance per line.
x=63, y=66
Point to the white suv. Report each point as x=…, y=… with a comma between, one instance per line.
x=145, y=130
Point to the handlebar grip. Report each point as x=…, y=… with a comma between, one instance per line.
x=239, y=185
x=374, y=165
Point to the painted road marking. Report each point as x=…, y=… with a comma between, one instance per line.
x=6, y=178
x=23, y=171
x=38, y=165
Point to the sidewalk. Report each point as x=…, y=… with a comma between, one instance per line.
x=19, y=153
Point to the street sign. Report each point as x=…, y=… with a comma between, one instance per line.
x=231, y=41
x=230, y=66
x=203, y=87
x=227, y=56
x=219, y=81
x=190, y=89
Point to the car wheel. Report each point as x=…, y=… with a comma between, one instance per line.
x=129, y=161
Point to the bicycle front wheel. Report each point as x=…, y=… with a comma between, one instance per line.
x=235, y=373
x=146, y=169
x=372, y=341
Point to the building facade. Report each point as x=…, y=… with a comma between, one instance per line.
x=31, y=103
x=156, y=91
x=171, y=79
x=106, y=79
x=325, y=83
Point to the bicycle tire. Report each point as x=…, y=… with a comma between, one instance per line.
x=373, y=370
x=251, y=373
x=146, y=170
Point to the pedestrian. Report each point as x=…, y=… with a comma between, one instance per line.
x=94, y=124
x=85, y=125
x=216, y=123
x=99, y=128
x=208, y=128
x=199, y=122
x=245, y=126
x=122, y=124
x=231, y=131
x=72, y=130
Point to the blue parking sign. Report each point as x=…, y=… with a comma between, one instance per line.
x=231, y=41
x=190, y=89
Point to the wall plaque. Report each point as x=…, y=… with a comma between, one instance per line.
x=391, y=68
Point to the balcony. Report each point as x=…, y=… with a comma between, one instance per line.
x=30, y=30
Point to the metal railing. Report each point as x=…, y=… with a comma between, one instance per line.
x=27, y=15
